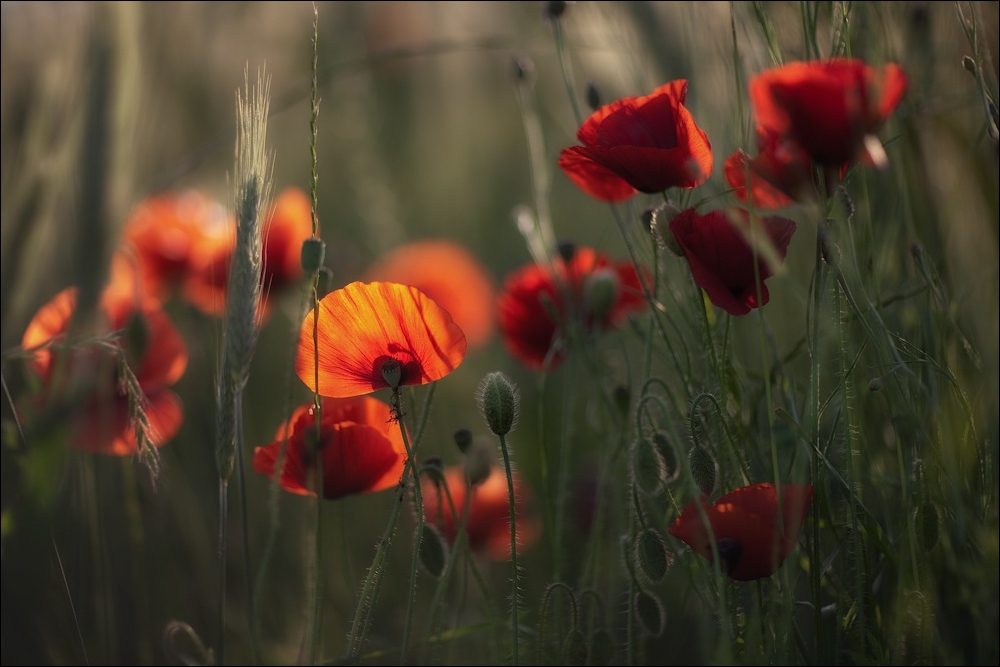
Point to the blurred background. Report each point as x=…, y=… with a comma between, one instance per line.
x=421, y=135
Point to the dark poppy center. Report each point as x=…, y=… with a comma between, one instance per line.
x=730, y=552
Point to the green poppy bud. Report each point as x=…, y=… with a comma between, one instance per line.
x=499, y=401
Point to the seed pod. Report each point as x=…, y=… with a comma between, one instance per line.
x=648, y=469
x=574, y=648
x=433, y=551
x=703, y=469
x=651, y=555
x=652, y=615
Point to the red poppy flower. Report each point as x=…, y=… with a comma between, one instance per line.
x=532, y=308
x=448, y=274
x=645, y=144
x=745, y=527
x=722, y=261
x=780, y=175
x=364, y=326
x=156, y=355
x=289, y=223
x=167, y=232
x=361, y=445
x=488, y=522
x=829, y=108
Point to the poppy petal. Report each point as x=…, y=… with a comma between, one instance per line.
x=450, y=275
x=363, y=325
x=745, y=526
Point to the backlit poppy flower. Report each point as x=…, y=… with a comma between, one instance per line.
x=166, y=232
x=532, y=307
x=831, y=108
x=780, y=175
x=448, y=274
x=745, y=527
x=155, y=353
x=488, y=523
x=718, y=250
x=289, y=223
x=367, y=328
x=645, y=144
x=361, y=446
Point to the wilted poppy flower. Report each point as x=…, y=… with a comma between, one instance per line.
x=718, y=250
x=366, y=328
x=362, y=448
x=288, y=224
x=645, y=144
x=448, y=274
x=167, y=231
x=532, y=305
x=831, y=108
x=156, y=355
x=745, y=528
x=488, y=523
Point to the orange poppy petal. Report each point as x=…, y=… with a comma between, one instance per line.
x=364, y=325
x=448, y=274
x=104, y=427
x=290, y=224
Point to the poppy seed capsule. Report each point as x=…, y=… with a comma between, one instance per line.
x=463, y=438
x=601, y=292
x=499, y=402
x=313, y=253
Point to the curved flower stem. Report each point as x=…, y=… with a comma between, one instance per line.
x=513, y=551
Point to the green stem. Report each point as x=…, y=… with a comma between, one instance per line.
x=415, y=559
x=513, y=550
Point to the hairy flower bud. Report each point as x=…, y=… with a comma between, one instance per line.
x=499, y=401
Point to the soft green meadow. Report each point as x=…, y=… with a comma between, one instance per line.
x=865, y=388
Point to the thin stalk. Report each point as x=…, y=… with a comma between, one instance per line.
x=241, y=481
x=411, y=594
x=373, y=580
x=513, y=552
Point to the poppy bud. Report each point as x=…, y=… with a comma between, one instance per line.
x=478, y=465
x=499, y=402
x=522, y=69
x=601, y=292
x=312, y=255
x=651, y=613
x=433, y=551
x=593, y=97
x=622, y=397
x=703, y=469
x=657, y=221
x=647, y=467
x=463, y=438
x=669, y=456
x=566, y=250
x=651, y=555
x=554, y=9
x=829, y=250
x=574, y=648
x=136, y=336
